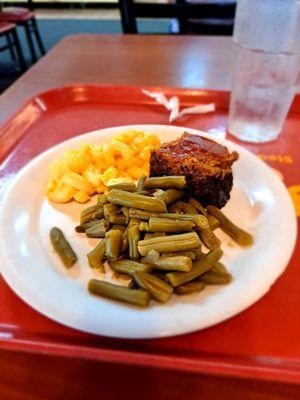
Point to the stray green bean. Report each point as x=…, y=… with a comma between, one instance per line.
x=62, y=247
x=240, y=236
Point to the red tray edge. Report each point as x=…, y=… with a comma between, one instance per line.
x=242, y=370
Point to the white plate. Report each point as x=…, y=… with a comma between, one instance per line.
x=259, y=203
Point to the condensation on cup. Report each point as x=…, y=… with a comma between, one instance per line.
x=266, y=67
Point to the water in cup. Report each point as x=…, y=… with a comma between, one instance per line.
x=266, y=69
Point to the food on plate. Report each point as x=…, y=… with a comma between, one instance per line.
x=62, y=247
x=205, y=164
x=92, y=168
x=159, y=251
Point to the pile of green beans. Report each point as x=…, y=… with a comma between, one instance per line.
x=163, y=242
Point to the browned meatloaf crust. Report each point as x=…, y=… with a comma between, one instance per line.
x=205, y=164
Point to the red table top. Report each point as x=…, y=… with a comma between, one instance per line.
x=261, y=342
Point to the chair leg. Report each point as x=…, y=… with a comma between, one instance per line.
x=38, y=36
x=19, y=51
x=30, y=42
x=11, y=47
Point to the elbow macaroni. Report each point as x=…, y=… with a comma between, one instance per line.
x=87, y=170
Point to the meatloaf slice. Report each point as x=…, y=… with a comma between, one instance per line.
x=205, y=164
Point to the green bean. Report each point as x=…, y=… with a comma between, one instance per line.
x=113, y=244
x=140, y=183
x=169, y=225
x=137, y=297
x=91, y=213
x=96, y=256
x=96, y=231
x=189, y=254
x=127, y=186
x=143, y=226
x=216, y=278
x=240, y=236
x=210, y=239
x=159, y=274
x=157, y=288
x=190, y=287
x=125, y=241
x=169, y=196
x=155, y=234
x=62, y=247
x=165, y=182
x=199, y=267
x=195, y=203
x=110, y=209
x=121, y=228
x=117, y=219
x=213, y=222
x=102, y=199
x=133, y=239
x=129, y=267
x=189, y=209
x=200, y=221
x=127, y=199
x=84, y=227
x=182, y=242
x=176, y=208
x=125, y=211
x=144, y=215
x=179, y=263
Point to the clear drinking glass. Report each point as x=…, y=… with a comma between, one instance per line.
x=266, y=68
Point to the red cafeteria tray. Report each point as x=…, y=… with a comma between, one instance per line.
x=262, y=342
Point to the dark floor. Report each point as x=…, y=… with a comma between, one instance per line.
x=53, y=31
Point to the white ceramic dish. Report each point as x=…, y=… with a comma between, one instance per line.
x=259, y=203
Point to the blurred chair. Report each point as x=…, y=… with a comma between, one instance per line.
x=205, y=17
x=25, y=17
x=9, y=32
